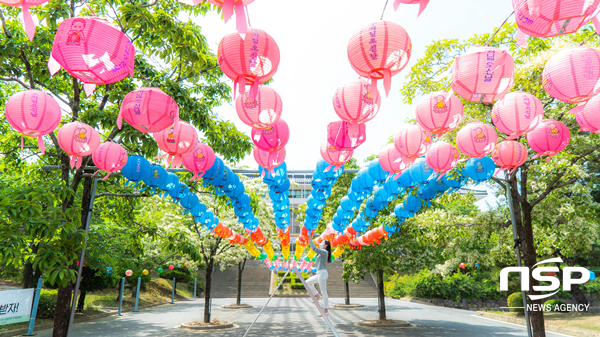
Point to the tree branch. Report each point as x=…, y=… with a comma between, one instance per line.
x=23, y=57
x=123, y=195
x=8, y=35
x=69, y=102
x=15, y=80
x=149, y=5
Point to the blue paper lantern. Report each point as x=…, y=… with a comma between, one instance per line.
x=136, y=169
x=454, y=179
x=377, y=172
x=382, y=195
x=427, y=192
x=157, y=177
x=343, y=214
x=412, y=204
x=321, y=193
x=275, y=196
x=189, y=201
x=392, y=186
x=592, y=275
x=276, y=177
x=311, y=202
x=480, y=169
x=400, y=212
x=348, y=204
x=280, y=205
x=237, y=192
x=214, y=173
x=477, y=266
x=365, y=180
x=198, y=210
x=330, y=174
x=179, y=191
x=242, y=201
x=284, y=186
x=438, y=185
x=420, y=171
x=405, y=180
x=371, y=213
x=252, y=225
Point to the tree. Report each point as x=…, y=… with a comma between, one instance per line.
x=171, y=54
x=537, y=185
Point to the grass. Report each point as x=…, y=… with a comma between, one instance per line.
x=579, y=320
x=157, y=291
x=40, y=321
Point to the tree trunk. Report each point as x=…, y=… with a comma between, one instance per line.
x=29, y=280
x=382, y=316
x=241, y=266
x=63, y=303
x=347, y=288
x=530, y=259
x=81, y=301
x=207, y=282
x=63, y=311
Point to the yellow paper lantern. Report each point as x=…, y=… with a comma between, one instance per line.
x=145, y=272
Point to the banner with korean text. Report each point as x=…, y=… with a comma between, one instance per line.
x=15, y=305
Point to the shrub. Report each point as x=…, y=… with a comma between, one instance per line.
x=455, y=287
x=47, y=303
x=515, y=300
x=555, y=305
x=133, y=279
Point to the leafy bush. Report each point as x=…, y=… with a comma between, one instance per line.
x=456, y=287
x=555, y=305
x=400, y=286
x=515, y=300
x=47, y=303
x=591, y=286
x=133, y=279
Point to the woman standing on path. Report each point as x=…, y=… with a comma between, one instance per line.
x=323, y=254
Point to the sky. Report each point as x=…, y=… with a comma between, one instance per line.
x=312, y=37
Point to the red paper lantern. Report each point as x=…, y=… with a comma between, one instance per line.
x=176, y=142
x=412, y=141
x=333, y=156
x=264, y=110
x=509, y=155
x=249, y=61
x=483, y=74
x=339, y=136
x=476, y=139
x=148, y=110
x=379, y=50
x=78, y=140
x=33, y=113
x=588, y=116
x=272, y=138
x=269, y=160
x=439, y=112
x=392, y=161
x=548, y=138
x=572, y=74
x=109, y=157
x=356, y=102
x=93, y=51
x=462, y=266
x=442, y=157
x=200, y=160
x=517, y=113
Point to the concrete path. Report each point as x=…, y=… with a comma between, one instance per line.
x=297, y=317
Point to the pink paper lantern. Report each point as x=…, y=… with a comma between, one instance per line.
x=509, y=155
x=176, y=142
x=548, y=18
x=334, y=157
x=476, y=139
x=171, y=267
x=379, y=50
x=588, y=117
x=78, y=140
x=572, y=74
x=272, y=138
x=442, y=157
x=33, y=113
x=264, y=110
x=228, y=5
x=148, y=110
x=548, y=138
x=93, y=51
x=422, y=4
x=356, y=102
x=339, y=136
x=412, y=141
x=392, y=161
x=109, y=157
x=250, y=61
x=439, y=112
x=517, y=113
x=201, y=159
x=129, y=273
x=269, y=160
x=483, y=74
x=28, y=23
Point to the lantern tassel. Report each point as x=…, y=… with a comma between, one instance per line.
x=254, y=90
x=72, y=161
x=106, y=176
x=387, y=81
x=596, y=24
x=422, y=6
x=89, y=88
x=396, y=5
x=41, y=144
x=28, y=23
x=578, y=108
x=227, y=9
x=338, y=167
x=53, y=65
x=354, y=129
x=240, y=18
x=119, y=120
x=521, y=39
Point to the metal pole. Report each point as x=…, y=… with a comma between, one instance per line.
x=137, y=294
x=121, y=295
x=264, y=306
x=515, y=236
x=81, y=258
x=173, y=292
x=212, y=285
x=36, y=301
x=195, y=283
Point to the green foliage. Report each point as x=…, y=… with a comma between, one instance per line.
x=401, y=286
x=456, y=287
x=93, y=279
x=181, y=275
x=47, y=303
x=133, y=279
x=515, y=301
x=555, y=305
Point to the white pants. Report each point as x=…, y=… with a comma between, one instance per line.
x=321, y=278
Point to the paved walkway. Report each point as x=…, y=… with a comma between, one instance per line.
x=297, y=317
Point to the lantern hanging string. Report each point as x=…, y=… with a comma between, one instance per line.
x=384, y=7
x=248, y=16
x=88, y=6
x=497, y=30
